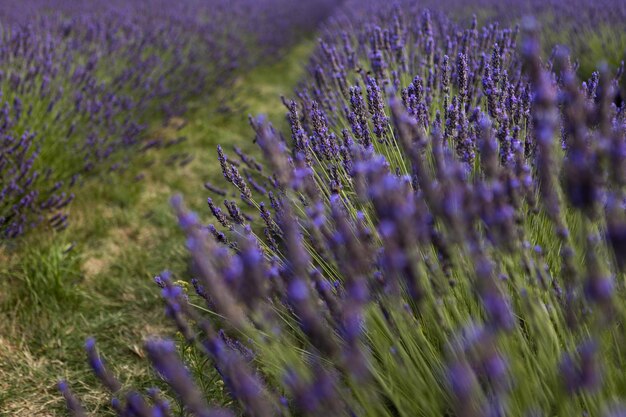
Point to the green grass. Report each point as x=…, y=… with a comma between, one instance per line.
x=122, y=233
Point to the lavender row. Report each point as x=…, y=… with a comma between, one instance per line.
x=79, y=81
x=592, y=30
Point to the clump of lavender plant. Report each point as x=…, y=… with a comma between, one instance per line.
x=443, y=234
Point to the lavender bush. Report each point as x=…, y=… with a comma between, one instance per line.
x=79, y=81
x=443, y=232
x=591, y=29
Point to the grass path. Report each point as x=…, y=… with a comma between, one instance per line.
x=96, y=277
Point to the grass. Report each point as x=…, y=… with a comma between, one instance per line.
x=95, y=278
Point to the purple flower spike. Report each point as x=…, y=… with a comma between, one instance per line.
x=98, y=367
x=73, y=404
x=162, y=354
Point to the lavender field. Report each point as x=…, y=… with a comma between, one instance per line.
x=324, y=208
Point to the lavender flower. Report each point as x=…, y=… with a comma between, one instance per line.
x=163, y=355
x=105, y=376
x=73, y=405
